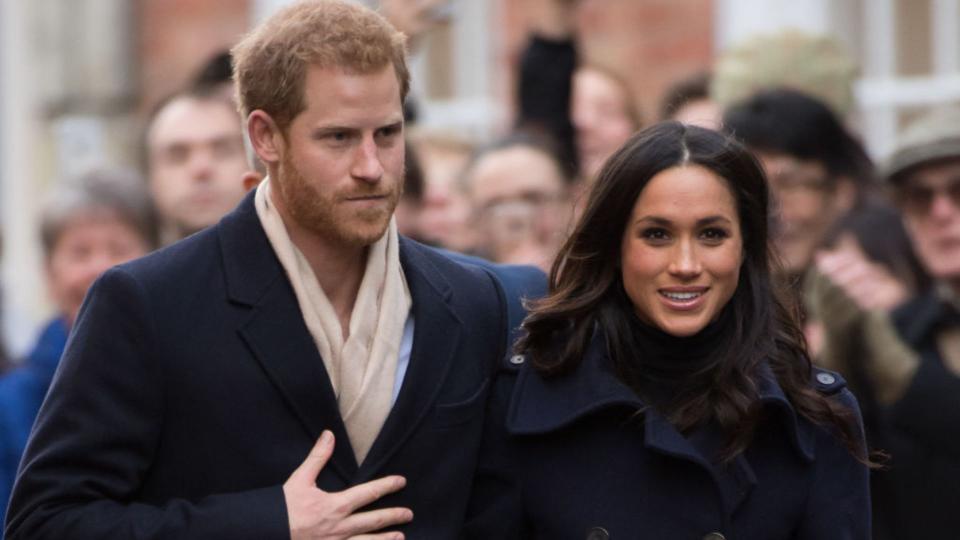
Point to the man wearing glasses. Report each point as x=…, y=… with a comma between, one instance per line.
x=919, y=495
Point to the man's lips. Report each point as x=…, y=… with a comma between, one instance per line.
x=368, y=199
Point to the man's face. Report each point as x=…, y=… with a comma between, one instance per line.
x=930, y=200
x=341, y=166
x=519, y=196
x=808, y=204
x=196, y=162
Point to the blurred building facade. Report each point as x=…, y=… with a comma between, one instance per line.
x=78, y=78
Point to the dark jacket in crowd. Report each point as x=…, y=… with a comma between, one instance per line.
x=919, y=496
x=21, y=393
x=544, y=90
x=582, y=458
x=191, y=389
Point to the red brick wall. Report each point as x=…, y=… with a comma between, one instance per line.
x=651, y=43
x=178, y=36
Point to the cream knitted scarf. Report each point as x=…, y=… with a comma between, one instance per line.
x=362, y=369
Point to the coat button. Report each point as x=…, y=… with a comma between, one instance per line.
x=518, y=359
x=598, y=533
x=714, y=536
x=826, y=378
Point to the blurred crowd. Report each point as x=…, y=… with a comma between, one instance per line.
x=871, y=249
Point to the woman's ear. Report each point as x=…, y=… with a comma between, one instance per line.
x=265, y=137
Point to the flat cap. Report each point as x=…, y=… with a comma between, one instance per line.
x=931, y=137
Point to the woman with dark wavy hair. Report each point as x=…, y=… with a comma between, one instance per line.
x=663, y=389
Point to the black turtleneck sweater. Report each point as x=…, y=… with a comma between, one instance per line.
x=663, y=367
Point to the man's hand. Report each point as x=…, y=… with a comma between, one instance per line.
x=315, y=514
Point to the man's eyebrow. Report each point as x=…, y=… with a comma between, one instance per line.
x=328, y=129
x=391, y=125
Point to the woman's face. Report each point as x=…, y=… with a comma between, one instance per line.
x=682, y=249
x=600, y=112
x=88, y=246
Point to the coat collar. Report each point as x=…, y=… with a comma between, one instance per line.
x=919, y=319
x=279, y=340
x=545, y=405
x=541, y=406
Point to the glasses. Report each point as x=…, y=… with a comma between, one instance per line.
x=789, y=184
x=918, y=199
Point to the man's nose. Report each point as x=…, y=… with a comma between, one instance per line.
x=201, y=164
x=366, y=165
x=943, y=207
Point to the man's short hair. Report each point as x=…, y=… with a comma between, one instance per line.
x=202, y=93
x=692, y=88
x=531, y=139
x=785, y=121
x=270, y=63
x=117, y=193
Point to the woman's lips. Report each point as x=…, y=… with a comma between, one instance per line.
x=683, y=298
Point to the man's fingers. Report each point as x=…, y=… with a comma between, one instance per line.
x=381, y=536
x=375, y=520
x=366, y=493
x=316, y=460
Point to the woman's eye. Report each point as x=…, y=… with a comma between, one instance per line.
x=714, y=234
x=655, y=234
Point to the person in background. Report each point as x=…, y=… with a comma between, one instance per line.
x=865, y=270
x=866, y=263
x=919, y=373
x=444, y=211
x=520, y=282
x=688, y=101
x=520, y=201
x=604, y=115
x=5, y=363
x=216, y=76
x=664, y=375
x=194, y=159
x=88, y=224
x=816, y=170
x=587, y=109
x=545, y=79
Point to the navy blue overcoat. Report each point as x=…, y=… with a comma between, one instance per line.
x=581, y=457
x=191, y=389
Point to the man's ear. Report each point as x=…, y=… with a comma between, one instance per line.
x=265, y=136
x=251, y=179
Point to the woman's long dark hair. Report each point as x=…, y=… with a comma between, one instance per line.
x=586, y=290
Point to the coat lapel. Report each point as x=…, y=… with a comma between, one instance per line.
x=436, y=336
x=276, y=334
x=540, y=406
x=279, y=340
x=734, y=480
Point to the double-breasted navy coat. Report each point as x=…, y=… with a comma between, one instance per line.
x=580, y=457
x=191, y=389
